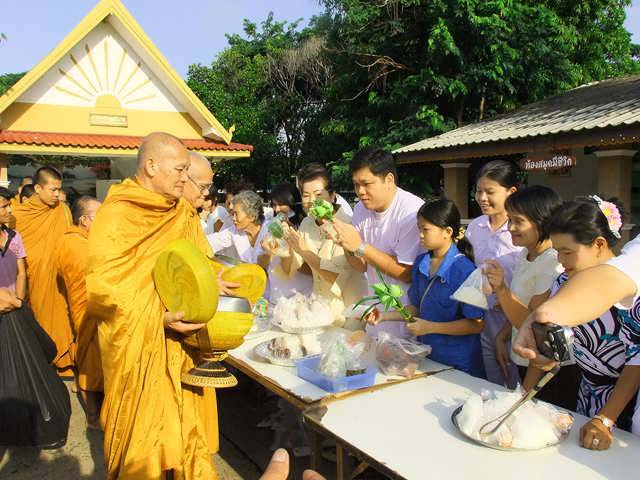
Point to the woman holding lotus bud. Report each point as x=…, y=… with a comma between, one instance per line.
x=312, y=247
x=451, y=328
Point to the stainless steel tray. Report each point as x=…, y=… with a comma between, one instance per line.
x=454, y=420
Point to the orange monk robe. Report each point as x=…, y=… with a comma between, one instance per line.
x=72, y=265
x=208, y=405
x=151, y=423
x=42, y=228
x=15, y=201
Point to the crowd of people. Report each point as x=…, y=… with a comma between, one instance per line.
x=76, y=288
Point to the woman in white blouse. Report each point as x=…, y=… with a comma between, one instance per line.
x=529, y=211
x=245, y=236
x=333, y=278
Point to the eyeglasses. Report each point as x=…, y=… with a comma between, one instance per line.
x=203, y=188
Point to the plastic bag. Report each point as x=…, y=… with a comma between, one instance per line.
x=472, y=291
x=346, y=356
x=398, y=356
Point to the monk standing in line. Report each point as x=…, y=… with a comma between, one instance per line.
x=41, y=221
x=72, y=265
x=152, y=424
x=200, y=180
x=15, y=201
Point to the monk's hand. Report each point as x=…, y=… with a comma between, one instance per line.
x=8, y=301
x=226, y=288
x=347, y=236
x=175, y=322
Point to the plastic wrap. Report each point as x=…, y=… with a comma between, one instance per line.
x=398, y=356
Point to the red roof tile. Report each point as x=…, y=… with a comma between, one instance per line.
x=105, y=141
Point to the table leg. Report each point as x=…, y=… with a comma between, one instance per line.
x=343, y=464
x=315, y=445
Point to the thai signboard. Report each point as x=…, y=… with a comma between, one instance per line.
x=548, y=161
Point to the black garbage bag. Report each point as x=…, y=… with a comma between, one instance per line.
x=34, y=402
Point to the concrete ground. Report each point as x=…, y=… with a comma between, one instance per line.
x=81, y=458
x=245, y=446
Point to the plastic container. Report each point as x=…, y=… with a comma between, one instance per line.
x=307, y=369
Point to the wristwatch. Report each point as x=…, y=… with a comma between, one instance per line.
x=607, y=422
x=359, y=252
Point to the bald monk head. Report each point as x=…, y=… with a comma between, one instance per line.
x=48, y=184
x=84, y=212
x=23, y=182
x=200, y=178
x=162, y=165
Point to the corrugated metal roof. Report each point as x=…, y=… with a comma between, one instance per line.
x=105, y=141
x=608, y=103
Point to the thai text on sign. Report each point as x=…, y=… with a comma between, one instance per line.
x=557, y=161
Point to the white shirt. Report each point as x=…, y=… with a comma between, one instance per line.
x=394, y=232
x=232, y=237
x=531, y=279
x=220, y=213
x=628, y=262
x=344, y=205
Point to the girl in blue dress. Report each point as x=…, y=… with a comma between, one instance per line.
x=451, y=328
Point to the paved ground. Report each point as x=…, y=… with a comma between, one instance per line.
x=81, y=457
x=245, y=447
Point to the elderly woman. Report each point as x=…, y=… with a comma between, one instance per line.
x=245, y=236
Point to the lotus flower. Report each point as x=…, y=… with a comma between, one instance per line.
x=388, y=295
x=322, y=209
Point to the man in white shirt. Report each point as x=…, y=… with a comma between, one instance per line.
x=384, y=233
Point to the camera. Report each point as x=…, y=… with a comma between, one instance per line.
x=554, y=341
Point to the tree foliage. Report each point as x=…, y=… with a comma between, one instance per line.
x=392, y=72
x=8, y=80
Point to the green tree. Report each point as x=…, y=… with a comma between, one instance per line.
x=8, y=80
x=269, y=83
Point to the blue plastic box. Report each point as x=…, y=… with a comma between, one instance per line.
x=307, y=370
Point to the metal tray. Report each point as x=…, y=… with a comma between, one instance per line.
x=454, y=420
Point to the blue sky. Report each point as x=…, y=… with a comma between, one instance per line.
x=185, y=31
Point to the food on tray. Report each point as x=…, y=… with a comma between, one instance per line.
x=287, y=348
x=398, y=356
x=185, y=281
x=293, y=347
x=299, y=313
x=534, y=425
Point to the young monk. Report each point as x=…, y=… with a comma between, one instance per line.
x=71, y=262
x=152, y=425
x=42, y=220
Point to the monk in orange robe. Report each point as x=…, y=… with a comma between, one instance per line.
x=42, y=220
x=72, y=265
x=197, y=187
x=15, y=201
x=152, y=424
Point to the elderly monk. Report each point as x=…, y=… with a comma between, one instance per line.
x=152, y=424
x=42, y=220
x=72, y=266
